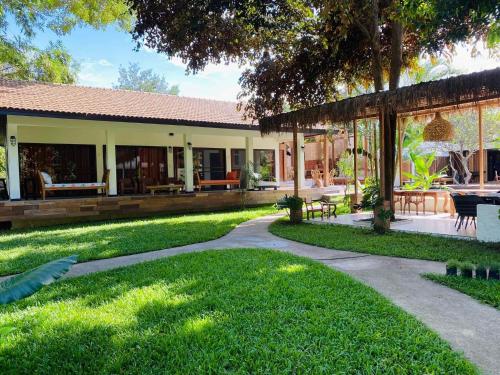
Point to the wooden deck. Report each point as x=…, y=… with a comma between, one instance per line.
x=32, y=213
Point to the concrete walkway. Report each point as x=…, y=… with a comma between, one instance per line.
x=469, y=326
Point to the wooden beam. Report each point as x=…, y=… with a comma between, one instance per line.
x=481, y=147
x=400, y=151
x=326, y=164
x=295, y=163
x=355, y=161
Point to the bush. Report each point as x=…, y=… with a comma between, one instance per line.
x=289, y=202
x=481, y=271
x=452, y=267
x=466, y=269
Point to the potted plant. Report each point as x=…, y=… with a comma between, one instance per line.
x=494, y=271
x=466, y=269
x=481, y=271
x=452, y=267
x=293, y=205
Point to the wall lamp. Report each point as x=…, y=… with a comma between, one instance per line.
x=302, y=147
x=170, y=149
x=171, y=134
x=190, y=145
x=13, y=140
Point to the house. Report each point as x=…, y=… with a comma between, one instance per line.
x=76, y=133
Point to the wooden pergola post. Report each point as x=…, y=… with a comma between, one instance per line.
x=355, y=161
x=365, y=152
x=295, y=163
x=481, y=147
x=400, y=152
x=326, y=164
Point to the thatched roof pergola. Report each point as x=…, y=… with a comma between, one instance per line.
x=453, y=92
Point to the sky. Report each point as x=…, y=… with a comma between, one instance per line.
x=100, y=53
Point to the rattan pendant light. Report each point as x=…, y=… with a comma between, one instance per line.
x=438, y=130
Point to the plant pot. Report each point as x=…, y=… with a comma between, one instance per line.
x=481, y=273
x=494, y=275
x=451, y=271
x=466, y=273
x=296, y=216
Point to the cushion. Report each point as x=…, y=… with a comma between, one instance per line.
x=233, y=175
x=46, y=178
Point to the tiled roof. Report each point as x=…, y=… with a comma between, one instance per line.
x=110, y=104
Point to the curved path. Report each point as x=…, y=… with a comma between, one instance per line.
x=469, y=326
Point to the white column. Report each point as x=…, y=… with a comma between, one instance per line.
x=170, y=162
x=249, y=150
x=111, y=161
x=277, y=161
x=301, y=160
x=99, y=161
x=228, y=160
x=188, y=163
x=13, y=162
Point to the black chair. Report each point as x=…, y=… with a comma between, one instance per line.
x=466, y=207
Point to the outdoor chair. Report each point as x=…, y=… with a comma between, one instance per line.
x=128, y=185
x=46, y=184
x=312, y=207
x=466, y=208
x=327, y=208
x=416, y=198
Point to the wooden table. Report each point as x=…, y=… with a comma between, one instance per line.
x=171, y=188
x=435, y=194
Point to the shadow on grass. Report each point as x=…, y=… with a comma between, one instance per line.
x=218, y=311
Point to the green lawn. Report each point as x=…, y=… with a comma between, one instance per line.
x=231, y=311
x=22, y=250
x=486, y=291
x=406, y=245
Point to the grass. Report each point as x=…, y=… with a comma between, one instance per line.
x=405, y=245
x=486, y=291
x=23, y=250
x=229, y=311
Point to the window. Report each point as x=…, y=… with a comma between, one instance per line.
x=238, y=160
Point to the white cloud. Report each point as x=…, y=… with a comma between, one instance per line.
x=104, y=62
x=98, y=73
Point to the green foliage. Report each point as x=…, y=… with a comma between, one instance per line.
x=346, y=164
x=133, y=78
x=289, y=202
x=371, y=194
x=21, y=59
x=226, y=311
x=485, y=291
x=453, y=263
x=399, y=244
x=300, y=52
x=422, y=179
x=3, y=162
x=29, y=282
x=25, y=249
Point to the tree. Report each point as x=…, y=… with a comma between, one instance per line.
x=21, y=59
x=3, y=162
x=300, y=50
x=465, y=142
x=133, y=78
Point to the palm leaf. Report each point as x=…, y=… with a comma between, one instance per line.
x=27, y=283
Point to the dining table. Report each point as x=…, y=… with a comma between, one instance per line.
x=435, y=194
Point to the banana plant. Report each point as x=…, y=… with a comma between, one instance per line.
x=25, y=284
x=422, y=179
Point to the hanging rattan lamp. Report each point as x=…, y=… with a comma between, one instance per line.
x=439, y=130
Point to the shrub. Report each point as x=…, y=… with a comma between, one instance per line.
x=452, y=267
x=466, y=269
x=494, y=271
x=289, y=202
x=481, y=271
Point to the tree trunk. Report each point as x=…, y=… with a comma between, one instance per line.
x=295, y=164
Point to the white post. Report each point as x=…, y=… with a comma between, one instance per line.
x=170, y=162
x=188, y=163
x=301, y=160
x=228, y=160
x=99, y=161
x=277, y=162
x=13, y=162
x=249, y=150
x=111, y=161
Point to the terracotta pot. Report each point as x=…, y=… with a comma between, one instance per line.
x=296, y=216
